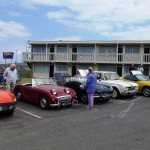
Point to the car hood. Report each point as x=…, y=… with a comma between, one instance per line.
x=51, y=87
x=6, y=97
x=119, y=82
x=103, y=88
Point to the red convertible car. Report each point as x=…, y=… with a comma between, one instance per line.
x=7, y=102
x=45, y=93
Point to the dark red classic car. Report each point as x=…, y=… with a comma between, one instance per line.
x=45, y=93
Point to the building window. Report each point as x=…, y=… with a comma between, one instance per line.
x=86, y=49
x=41, y=68
x=107, y=68
x=61, y=49
x=132, y=49
x=40, y=49
x=108, y=49
x=61, y=68
x=84, y=67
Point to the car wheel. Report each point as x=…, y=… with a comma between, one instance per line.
x=18, y=95
x=146, y=91
x=84, y=98
x=116, y=93
x=105, y=100
x=10, y=112
x=70, y=104
x=44, y=103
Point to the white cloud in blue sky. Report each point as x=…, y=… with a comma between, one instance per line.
x=71, y=20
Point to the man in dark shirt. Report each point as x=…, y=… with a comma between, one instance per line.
x=132, y=68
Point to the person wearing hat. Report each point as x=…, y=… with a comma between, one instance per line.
x=91, y=86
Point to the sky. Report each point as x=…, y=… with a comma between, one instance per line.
x=40, y=20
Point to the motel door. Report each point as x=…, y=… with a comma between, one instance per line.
x=119, y=70
x=74, y=70
x=51, y=70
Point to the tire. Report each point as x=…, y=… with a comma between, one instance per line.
x=84, y=98
x=116, y=93
x=146, y=91
x=44, y=103
x=10, y=112
x=105, y=100
x=18, y=95
x=70, y=104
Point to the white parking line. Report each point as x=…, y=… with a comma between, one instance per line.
x=137, y=99
x=122, y=101
x=122, y=114
x=29, y=113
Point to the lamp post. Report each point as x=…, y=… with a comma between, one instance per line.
x=16, y=56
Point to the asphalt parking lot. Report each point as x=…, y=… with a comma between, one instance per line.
x=122, y=124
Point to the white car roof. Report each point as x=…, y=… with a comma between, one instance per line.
x=104, y=72
x=134, y=72
x=83, y=72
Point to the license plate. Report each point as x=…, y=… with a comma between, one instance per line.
x=0, y=108
x=64, y=104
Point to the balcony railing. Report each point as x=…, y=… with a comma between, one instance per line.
x=86, y=58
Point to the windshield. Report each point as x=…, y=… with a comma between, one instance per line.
x=111, y=76
x=39, y=81
x=81, y=79
x=141, y=77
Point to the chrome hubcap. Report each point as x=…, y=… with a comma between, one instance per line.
x=146, y=92
x=43, y=102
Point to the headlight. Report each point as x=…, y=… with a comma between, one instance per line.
x=15, y=99
x=11, y=107
x=67, y=90
x=54, y=92
x=126, y=89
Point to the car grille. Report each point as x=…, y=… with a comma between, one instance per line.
x=64, y=99
x=131, y=88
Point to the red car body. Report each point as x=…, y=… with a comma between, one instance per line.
x=45, y=95
x=7, y=102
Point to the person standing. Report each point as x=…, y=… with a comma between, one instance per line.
x=10, y=75
x=140, y=68
x=132, y=68
x=91, y=86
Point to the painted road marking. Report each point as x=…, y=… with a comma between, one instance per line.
x=122, y=101
x=122, y=114
x=27, y=112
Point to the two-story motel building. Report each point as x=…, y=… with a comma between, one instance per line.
x=47, y=57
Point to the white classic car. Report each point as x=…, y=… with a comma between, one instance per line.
x=120, y=87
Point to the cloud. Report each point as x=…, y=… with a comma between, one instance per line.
x=110, y=19
x=12, y=30
x=60, y=16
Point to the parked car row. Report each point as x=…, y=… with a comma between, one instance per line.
x=102, y=93
x=64, y=90
x=112, y=79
